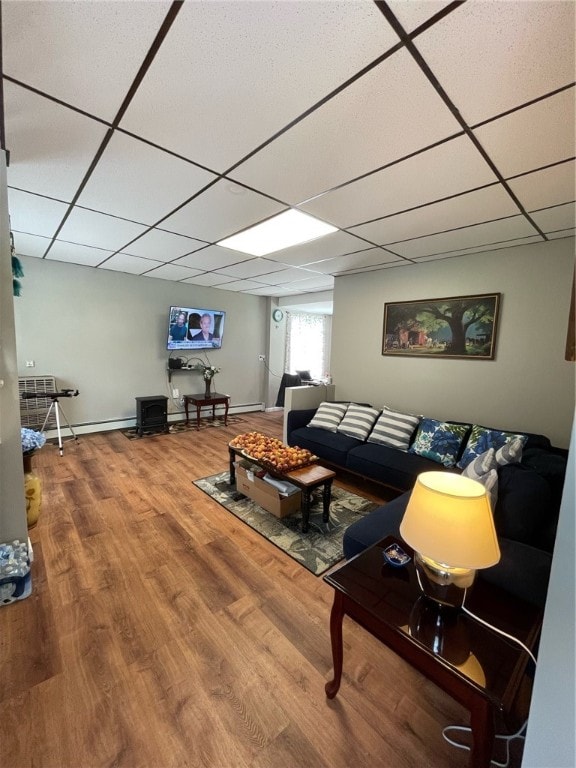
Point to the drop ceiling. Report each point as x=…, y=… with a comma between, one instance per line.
x=142, y=133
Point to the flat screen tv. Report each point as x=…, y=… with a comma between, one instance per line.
x=194, y=328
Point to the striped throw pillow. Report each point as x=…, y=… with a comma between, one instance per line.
x=358, y=421
x=394, y=429
x=328, y=416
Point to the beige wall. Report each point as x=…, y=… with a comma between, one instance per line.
x=528, y=386
x=12, y=504
x=104, y=333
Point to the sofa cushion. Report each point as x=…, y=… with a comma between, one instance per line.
x=388, y=465
x=439, y=441
x=328, y=416
x=394, y=429
x=523, y=500
x=358, y=421
x=330, y=446
x=482, y=438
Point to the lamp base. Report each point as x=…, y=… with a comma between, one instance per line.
x=443, y=583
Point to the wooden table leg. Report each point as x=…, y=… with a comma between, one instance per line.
x=232, y=454
x=186, y=409
x=482, y=724
x=336, y=616
x=226, y=411
x=306, y=501
x=326, y=498
x=198, y=416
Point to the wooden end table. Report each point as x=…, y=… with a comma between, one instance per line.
x=306, y=478
x=474, y=664
x=201, y=401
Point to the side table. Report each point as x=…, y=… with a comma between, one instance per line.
x=201, y=401
x=471, y=662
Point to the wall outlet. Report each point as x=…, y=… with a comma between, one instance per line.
x=261, y=358
x=30, y=363
x=175, y=394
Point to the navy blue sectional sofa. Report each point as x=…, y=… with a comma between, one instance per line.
x=526, y=513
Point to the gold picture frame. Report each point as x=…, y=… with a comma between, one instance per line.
x=458, y=327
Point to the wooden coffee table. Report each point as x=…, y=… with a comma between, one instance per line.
x=306, y=478
x=474, y=664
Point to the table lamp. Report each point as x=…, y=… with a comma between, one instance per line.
x=449, y=524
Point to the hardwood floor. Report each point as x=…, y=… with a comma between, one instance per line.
x=163, y=632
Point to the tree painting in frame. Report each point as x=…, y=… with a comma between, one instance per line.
x=457, y=327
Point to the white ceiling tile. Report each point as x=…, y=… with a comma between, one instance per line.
x=561, y=234
x=552, y=186
x=482, y=249
x=334, y=244
x=271, y=290
x=163, y=246
x=208, y=279
x=531, y=137
x=286, y=276
x=559, y=217
x=240, y=285
x=411, y=15
x=470, y=237
x=30, y=245
x=77, y=254
x=34, y=214
x=171, y=272
x=452, y=167
x=139, y=182
x=235, y=60
x=84, y=53
x=98, y=230
x=391, y=111
x=222, y=210
x=320, y=282
x=251, y=268
x=367, y=258
x=134, y=265
x=492, y=56
x=213, y=257
x=471, y=208
x=51, y=147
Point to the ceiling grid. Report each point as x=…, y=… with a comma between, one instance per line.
x=141, y=134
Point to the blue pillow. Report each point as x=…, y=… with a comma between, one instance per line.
x=481, y=439
x=439, y=441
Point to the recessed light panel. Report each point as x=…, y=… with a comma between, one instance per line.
x=289, y=228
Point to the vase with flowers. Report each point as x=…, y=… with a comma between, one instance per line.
x=31, y=441
x=208, y=373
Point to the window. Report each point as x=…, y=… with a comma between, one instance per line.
x=307, y=339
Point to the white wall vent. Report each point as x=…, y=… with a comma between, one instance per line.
x=33, y=410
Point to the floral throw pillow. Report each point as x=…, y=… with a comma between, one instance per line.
x=439, y=441
x=481, y=439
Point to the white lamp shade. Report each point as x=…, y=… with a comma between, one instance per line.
x=449, y=519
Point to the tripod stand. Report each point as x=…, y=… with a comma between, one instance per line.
x=57, y=410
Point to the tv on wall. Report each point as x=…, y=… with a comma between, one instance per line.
x=193, y=328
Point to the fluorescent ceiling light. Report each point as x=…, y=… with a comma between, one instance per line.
x=289, y=228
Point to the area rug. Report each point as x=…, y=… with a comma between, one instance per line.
x=180, y=426
x=320, y=548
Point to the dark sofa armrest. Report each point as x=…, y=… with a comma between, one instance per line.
x=297, y=419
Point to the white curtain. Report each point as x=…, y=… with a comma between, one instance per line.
x=306, y=344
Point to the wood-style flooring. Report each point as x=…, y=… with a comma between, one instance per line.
x=163, y=632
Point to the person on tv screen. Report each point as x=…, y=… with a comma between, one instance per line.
x=179, y=328
x=204, y=332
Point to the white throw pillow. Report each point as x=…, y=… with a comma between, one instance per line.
x=328, y=416
x=358, y=421
x=394, y=429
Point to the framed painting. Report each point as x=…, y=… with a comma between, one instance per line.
x=457, y=327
